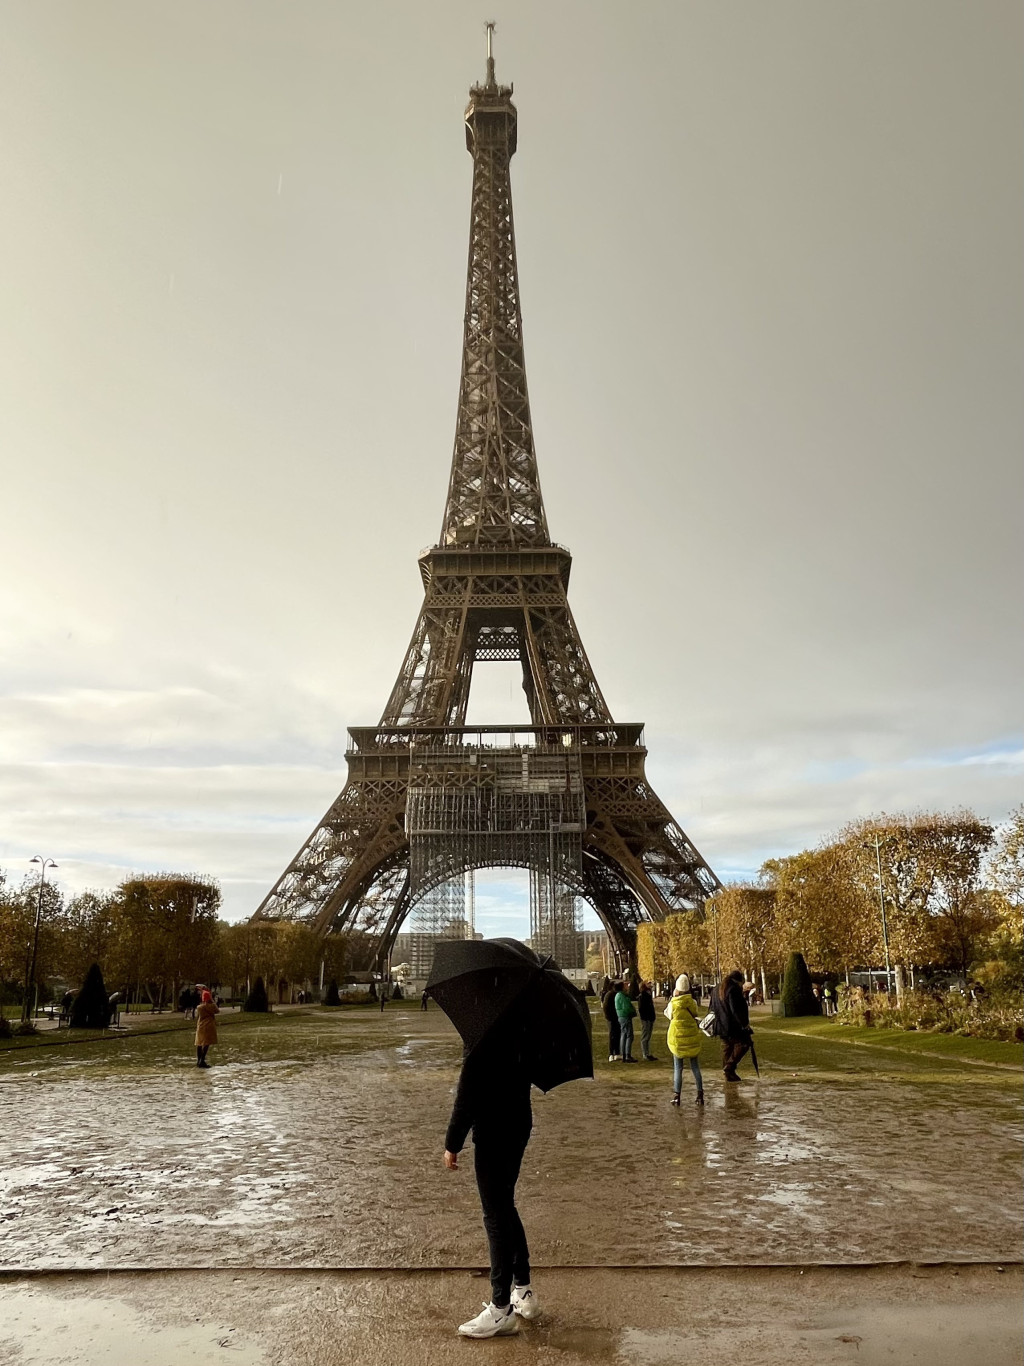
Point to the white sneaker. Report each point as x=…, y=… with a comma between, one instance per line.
x=525, y=1302
x=491, y=1322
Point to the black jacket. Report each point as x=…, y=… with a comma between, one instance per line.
x=731, y=1012
x=493, y=1095
x=645, y=1006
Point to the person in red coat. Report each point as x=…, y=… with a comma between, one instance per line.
x=206, y=1027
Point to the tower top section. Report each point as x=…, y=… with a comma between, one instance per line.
x=490, y=114
x=494, y=493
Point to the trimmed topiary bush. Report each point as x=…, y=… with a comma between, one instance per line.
x=91, y=1007
x=256, y=1002
x=798, y=996
x=333, y=997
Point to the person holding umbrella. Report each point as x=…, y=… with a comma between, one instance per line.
x=523, y=1024
x=733, y=1016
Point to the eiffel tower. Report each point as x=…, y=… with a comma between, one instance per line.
x=428, y=798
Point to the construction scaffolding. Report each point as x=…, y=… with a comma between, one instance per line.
x=446, y=911
x=477, y=807
x=555, y=923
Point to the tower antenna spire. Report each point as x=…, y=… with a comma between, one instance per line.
x=490, y=26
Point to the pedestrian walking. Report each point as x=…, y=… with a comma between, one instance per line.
x=609, y=1012
x=625, y=1010
x=529, y=1027
x=645, y=1014
x=733, y=1019
x=206, y=1027
x=423, y=1000
x=684, y=1037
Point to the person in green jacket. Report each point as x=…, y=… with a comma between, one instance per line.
x=684, y=1037
x=625, y=1010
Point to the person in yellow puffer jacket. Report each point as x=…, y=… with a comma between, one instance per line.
x=684, y=1037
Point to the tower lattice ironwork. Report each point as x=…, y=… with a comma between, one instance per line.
x=427, y=797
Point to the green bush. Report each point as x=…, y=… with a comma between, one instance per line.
x=256, y=1003
x=5, y=1027
x=332, y=998
x=91, y=1007
x=798, y=996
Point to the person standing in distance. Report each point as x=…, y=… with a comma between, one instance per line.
x=493, y=1101
x=608, y=1010
x=206, y=1027
x=625, y=1010
x=645, y=1013
x=730, y=1007
x=684, y=1037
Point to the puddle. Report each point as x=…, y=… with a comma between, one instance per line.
x=39, y=1329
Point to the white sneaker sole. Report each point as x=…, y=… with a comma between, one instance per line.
x=504, y=1329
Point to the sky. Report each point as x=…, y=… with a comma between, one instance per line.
x=771, y=282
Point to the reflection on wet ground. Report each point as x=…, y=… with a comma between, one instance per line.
x=331, y=1157
x=942, y=1316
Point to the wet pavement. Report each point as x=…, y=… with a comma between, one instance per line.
x=323, y=1149
x=942, y=1316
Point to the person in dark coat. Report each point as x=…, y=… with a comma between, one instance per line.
x=611, y=1015
x=645, y=1014
x=733, y=1019
x=493, y=1101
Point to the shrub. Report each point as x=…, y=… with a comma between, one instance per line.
x=943, y=1012
x=91, y=1007
x=798, y=996
x=332, y=998
x=256, y=1002
x=25, y=1028
x=5, y=1027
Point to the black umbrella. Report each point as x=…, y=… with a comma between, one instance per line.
x=753, y=1056
x=481, y=982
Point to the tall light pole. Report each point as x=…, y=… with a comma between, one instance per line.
x=44, y=863
x=876, y=844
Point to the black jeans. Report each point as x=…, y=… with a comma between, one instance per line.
x=497, y=1162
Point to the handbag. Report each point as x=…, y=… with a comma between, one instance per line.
x=667, y=1012
x=709, y=1025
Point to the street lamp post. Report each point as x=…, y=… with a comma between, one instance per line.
x=30, y=979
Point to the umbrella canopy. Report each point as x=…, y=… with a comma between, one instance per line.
x=479, y=982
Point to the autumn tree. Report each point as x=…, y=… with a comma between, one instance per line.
x=931, y=865
x=821, y=910
x=745, y=920
x=1004, y=962
x=87, y=933
x=18, y=908
x=962, y=911
x=166, y=933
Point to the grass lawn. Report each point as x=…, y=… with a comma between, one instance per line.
x=789, y=1050
x=805, y=1049
x=291, y=1033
